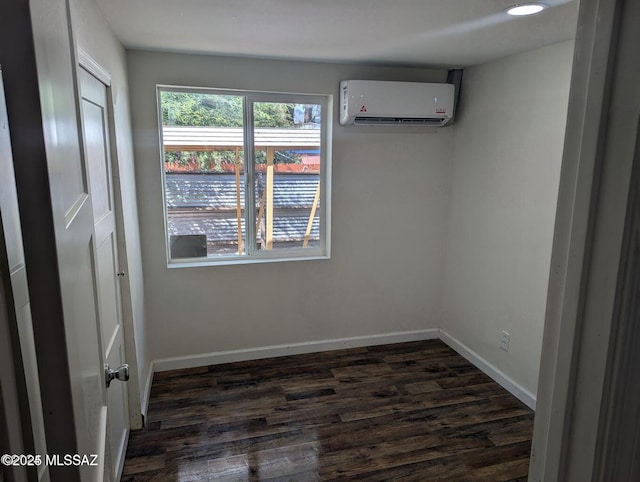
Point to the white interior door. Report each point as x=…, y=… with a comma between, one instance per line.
x=59, y=241
x=95, y=127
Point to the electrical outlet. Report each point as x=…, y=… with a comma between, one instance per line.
x=504, y=341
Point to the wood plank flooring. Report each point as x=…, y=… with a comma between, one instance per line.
x=411, y=411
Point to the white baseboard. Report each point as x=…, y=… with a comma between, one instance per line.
x=231, y=356
x=144, y=399
x=524, y=395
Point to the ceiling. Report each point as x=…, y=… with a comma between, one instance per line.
x=445, y=33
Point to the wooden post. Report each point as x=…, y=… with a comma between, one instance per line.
x=314, y=206
x=238, y=201
x=269, y=192
x=260, y=211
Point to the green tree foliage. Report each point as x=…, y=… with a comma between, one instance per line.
x=272, y=115
x=211, y=110
x=200, y=110
x=204, y=161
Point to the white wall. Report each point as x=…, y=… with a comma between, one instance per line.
x=93, y=35
x=507, y=151
x=389, y=197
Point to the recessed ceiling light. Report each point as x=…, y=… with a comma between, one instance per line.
x=526, y=9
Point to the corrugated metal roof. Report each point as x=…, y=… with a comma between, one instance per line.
x=216, y=138
x=218, y=191
x=206, y=204
x=225, y=230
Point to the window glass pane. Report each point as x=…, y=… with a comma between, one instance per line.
x=204, y=173
x=287, y=174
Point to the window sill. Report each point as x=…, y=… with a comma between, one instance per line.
x=227, y=261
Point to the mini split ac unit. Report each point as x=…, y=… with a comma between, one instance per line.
x=396, y=103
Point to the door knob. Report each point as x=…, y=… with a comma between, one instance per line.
x=121, y=373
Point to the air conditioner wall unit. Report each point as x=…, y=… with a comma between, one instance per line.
x=375, y=102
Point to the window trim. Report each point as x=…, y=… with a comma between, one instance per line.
x=251, y=255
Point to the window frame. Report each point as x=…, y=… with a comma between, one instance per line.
x=251, y=254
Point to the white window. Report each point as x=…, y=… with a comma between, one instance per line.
x=246, y=175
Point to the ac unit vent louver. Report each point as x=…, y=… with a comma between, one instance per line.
x=397, y=121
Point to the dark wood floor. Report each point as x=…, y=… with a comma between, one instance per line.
x=411, y=411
